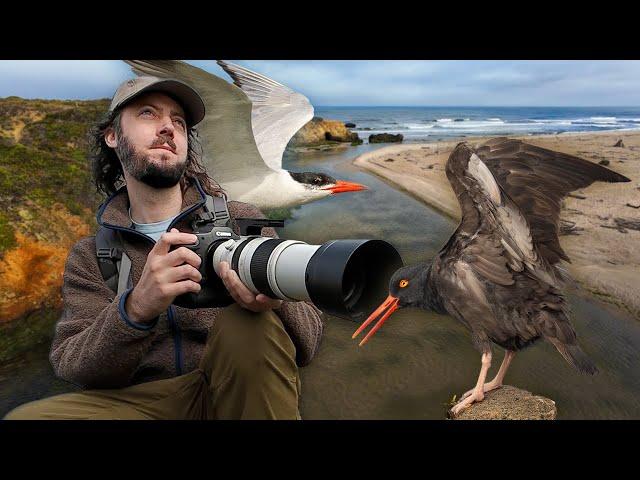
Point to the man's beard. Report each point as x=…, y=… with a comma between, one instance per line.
x=141, y=168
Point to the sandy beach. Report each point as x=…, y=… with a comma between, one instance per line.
x=601, y=222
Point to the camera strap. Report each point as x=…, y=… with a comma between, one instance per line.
x=114, y=264
x=216, y=213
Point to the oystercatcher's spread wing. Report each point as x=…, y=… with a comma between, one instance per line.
x=537, y=179
x=493, y=238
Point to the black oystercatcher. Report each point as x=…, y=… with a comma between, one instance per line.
x=499, y=273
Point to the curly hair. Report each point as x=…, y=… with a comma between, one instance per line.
x=107, y=169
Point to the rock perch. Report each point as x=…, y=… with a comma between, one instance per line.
x=511, y=403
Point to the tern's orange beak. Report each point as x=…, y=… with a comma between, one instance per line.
x=341, y=186
x=389, y=306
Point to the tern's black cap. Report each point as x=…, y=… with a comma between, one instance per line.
x=190, y=100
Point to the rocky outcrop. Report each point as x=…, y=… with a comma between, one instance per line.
x=319, y=131
x=511, y=403
x=386, y=138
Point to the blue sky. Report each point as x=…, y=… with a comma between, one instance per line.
x=324, y=82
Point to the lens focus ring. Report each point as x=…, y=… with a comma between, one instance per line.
x=259, y=264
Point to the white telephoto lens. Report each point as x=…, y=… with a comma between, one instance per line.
x=290, y=269
x=274, y=282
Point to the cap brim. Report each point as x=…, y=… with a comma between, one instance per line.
x=190, y=100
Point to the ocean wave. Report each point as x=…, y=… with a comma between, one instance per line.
x=603, y=119
x=628, y=129
x=418, y=126
x=480, y=125
x=552, y=121
x=450, y=120
x=382, y=129
x=429, y=125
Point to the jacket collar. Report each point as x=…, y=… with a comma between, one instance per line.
x=114, y=212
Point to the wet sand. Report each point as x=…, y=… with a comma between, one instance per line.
x=605, y=254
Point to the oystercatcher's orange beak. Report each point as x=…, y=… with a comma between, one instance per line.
x=341, y=186
x=389, y=306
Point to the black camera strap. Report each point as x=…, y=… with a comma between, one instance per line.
x=114, y=264
x=216, y=214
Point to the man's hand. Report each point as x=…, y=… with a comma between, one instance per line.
x=165, y=276
x=242, y=295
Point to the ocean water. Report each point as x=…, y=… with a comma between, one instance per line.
x=423, y=124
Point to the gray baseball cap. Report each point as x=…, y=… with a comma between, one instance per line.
x=190, y=100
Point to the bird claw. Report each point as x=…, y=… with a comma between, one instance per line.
x=486, y=388
x=464, y=403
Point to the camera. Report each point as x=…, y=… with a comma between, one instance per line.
x=344, y=278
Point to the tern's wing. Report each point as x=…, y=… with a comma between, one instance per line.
x=229, y=148
x=278, y=112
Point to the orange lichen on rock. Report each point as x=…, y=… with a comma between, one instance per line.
x=31, y=273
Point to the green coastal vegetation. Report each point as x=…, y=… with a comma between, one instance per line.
x=44, y=169
x=43, y=161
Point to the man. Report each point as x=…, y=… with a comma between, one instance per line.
x=139, y=355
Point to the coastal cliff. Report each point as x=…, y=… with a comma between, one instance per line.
x=47, y=202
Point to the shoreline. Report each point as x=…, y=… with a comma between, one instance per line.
x=605, y=256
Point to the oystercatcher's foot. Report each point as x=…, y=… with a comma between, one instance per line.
x=476, y=395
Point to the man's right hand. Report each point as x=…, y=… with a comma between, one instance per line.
x=165, y=276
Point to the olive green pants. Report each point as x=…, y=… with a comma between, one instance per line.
x=248, y=371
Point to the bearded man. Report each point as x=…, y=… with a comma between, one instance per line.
x=135, y=354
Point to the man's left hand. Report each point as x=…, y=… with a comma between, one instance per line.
x=242, y=295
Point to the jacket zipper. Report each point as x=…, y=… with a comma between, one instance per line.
x=177, y=339
x=175, y=329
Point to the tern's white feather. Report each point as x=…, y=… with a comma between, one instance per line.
x=274, y=190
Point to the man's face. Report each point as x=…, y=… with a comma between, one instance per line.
x=153, y=142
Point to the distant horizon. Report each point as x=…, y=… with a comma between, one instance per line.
x=365, y=106
x=476, y=106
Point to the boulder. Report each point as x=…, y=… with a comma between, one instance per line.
x=604, y=162
x=350, y=125
x=319, y=131
x=386, y=138
x=510, y=403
